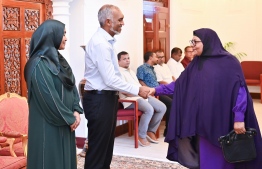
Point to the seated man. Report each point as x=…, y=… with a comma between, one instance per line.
x=147, y=77
x=163, y=73
x=173, y=63
x=189, y=55
x=153, y=109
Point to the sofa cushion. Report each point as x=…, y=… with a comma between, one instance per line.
x=8, y=162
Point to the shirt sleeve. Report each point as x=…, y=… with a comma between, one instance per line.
x=165, y=89
x=158, y=75
x=105, y=60
x=241, y=105
x=140, y=73
x=52, y=108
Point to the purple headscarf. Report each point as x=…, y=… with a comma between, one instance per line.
x=204, y=96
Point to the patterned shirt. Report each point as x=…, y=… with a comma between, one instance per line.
x=147, y=74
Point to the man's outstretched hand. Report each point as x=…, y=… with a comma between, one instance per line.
x=143, y=91
x=152, y=91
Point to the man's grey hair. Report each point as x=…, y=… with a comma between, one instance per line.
x=106, y=12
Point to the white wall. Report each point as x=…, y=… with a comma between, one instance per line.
x=238, y=21
x=83, y=24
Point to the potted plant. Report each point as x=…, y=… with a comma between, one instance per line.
x=229, y=46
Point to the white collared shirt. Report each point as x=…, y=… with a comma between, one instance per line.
x=175, y=67
x=163, y=73
x=101, y=65
x=129, y=76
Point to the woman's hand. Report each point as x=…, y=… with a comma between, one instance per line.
x=239, y=127
x=152, y=91
x=77, y=122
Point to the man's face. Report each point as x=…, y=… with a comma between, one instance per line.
x=161, y=57
x=177, y=56
x=117, y=22
x=189, y=53
x=124, y=61
x=154, y=59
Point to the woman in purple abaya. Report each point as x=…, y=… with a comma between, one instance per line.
x=210, y=98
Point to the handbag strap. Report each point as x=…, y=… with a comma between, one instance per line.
x=232, y=135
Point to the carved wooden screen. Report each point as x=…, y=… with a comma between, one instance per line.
x=19, y=20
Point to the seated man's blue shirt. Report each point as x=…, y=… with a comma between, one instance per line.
x=147, y=74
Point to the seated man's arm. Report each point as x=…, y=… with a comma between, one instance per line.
x=162, y=82
x=142, y=82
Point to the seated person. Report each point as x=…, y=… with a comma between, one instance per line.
x=173, y=63
x=147, y=77
x=189, y=55
x=153, y=109
x=163, y=73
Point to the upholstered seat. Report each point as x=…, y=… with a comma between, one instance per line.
x=14, y=124
x=130, y=115
x=253, y=74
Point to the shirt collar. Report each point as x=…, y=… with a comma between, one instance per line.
x=107, y=36
x=124, y=69
x=148, y=65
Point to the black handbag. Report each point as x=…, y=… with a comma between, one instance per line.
x=239, y=147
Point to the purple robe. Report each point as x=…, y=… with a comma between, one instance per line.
x=204, y=98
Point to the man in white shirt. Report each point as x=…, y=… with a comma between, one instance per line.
x=173, y=63
x=103, y=81
x=163, y=73
x=153, y=109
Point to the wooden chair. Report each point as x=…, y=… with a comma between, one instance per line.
x=130, y=115
x=253, y=74
x=10, y=162
x=14, y=124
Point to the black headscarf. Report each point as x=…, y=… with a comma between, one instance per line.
x=44, y=44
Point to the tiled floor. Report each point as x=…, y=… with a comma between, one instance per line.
x=124, y=145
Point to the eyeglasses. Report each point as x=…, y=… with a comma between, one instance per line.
x=193, y=42
x=160, y=57
x=190, y=51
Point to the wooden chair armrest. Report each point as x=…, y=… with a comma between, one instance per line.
x=130, y=101
x=12, y=134
x=9, y=142
x=24, y=144
x=126, y=100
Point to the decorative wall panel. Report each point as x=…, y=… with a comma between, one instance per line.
x=32, y=19
x=12, y=65
x=37, y=1
x=49, y=9
x=27, y=47
x=11, y=19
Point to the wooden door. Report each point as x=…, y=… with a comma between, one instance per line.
x=19, y=20
x=156, y=29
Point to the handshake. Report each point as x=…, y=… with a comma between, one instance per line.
x=145, y=91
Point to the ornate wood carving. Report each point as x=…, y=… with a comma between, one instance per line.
x=12, y=65
x=27, y=47
x=37, y=1
x=11, y=18
x=49, y=9
x=32, y=19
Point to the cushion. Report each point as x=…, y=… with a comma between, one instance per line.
x=8, y=162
